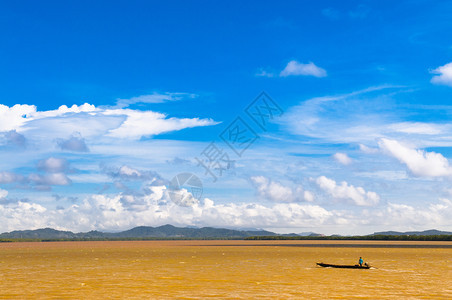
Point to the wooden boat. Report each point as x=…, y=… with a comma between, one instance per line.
x=344, y=266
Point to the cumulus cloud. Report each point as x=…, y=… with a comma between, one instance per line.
x=24, y=215
x=347, y=192
x=128, y=173
x=443, y=75
x=51, y=171
x=53, y=165
x=419, y=162
x=44, y=181
x=277, y=192
x=342, y=158
x=75, y=143
x=294, y=68
x=182, y=197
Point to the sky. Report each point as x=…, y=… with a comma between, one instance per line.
x=291, y=116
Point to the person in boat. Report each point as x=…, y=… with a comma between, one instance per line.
x=361, y=261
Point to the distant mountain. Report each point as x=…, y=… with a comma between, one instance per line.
x=165, y=231
x=290, y=234
x=302, y=234
x=316, y=234
x=425, y=232
x=309, y=233
x=172, y=232
x=45, y=233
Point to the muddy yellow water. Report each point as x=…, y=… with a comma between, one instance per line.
x=221, y=269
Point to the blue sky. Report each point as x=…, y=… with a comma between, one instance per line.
x=103, y=103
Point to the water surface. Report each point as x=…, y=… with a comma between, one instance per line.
x=224, y=270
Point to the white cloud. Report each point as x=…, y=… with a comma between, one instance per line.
x=128, y=171
x=444, y=75
x=384, y=175
x=342, y=158
x=277, y=192
x=182, y=197
x=64, y=110
x=47, y=180
x=419, y=162
x=53, y=165
x=295, y=68
x=24, y=215
x=3, y=193
x=344, y=191
x=308, y=196
x=331, y=118
x=14, y=117
x=363, y=117
x=271, y=190
x=419, y=128
x=149, y=123
x=154, y=98
x=8, y=177
x=368, y=150
x=90, y=122
x=53, y=173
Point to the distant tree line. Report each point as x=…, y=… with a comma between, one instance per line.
x=359, y=238
x=276, y=237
